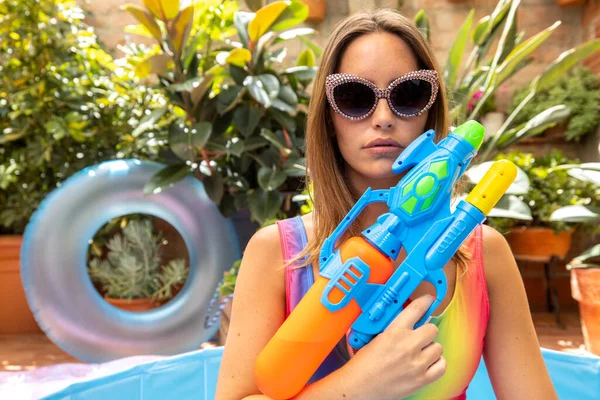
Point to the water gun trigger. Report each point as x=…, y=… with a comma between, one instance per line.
x=438, y=279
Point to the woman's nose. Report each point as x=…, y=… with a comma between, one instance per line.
x=383, y=116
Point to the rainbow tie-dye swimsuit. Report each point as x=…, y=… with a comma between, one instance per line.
x=462, y=325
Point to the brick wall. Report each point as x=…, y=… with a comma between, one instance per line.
x=446, y=18
x=591, y=30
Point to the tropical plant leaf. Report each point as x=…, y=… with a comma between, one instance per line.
x=145, y=18
x=510, y=206
x=165, y=178
x=455, y=56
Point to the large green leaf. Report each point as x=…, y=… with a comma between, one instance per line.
x=295, y=13
x=190, y=84
x=312, y=45
x=264, y=19
x=586, y=172
x=564, y=62
x=235, y=146
x=271, y=85
x=306, y=58
x=271, y=137
x=487, y=24
x=591, y=253
x=282, y=106
x=264, y=204
x=284, y=118
x=241, y=21
x=294, y=33
x=536, y=125
x=422, y=22
x=511, y=41
x=288, y=95
x=255, y=142
x=213, y=184
x=480, y=30
x=149, y=121
x=577, y=213
x=165, y=178
x=145, y=18
x=257, y=90
x=522, y=51
x=510, y=206
x=303, y=73
x=270, y=179
x=295, y=167
x=246, y=119
x=455, y=56
x=186, y=141
x=492, y=77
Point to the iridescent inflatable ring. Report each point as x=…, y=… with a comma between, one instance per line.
x=54, y=269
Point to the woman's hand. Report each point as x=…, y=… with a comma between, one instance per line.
x=395, y=364
x=401, y=360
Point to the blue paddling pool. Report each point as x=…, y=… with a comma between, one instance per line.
x=194, y=376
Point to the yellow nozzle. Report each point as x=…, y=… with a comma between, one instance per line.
x=492, y=186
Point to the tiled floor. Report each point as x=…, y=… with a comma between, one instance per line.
x=26, y=352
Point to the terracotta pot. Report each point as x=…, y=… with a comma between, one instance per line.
x=316, y=10
x=585, y=288
x=539, y=244
x=133, y=305
x=570, y=3
x=15, y=315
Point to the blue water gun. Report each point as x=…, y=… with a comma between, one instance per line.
x=420, y=220
x=357, y=286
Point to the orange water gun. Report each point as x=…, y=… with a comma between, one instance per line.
x=357, y=286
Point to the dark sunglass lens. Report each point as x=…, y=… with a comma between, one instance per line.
x=410, y=97
x=353, y=98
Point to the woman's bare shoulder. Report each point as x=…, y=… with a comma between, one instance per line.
x=497, y=256
x=263, y=256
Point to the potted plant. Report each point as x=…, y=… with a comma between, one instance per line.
x=570, y=3
x=131, y=272
x=579, y=90
x=56, y=118
x=550, y=189
x=585, y=288
x=585, y=268
x=498, y=51
x=240, y=115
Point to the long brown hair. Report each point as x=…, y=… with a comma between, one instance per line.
x=331, y=195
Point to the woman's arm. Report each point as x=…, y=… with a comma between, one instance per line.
x=512, y=352
x=395, y=364
x=258, y=310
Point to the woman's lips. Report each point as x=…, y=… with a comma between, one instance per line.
x=383, y=146
x=384, y=149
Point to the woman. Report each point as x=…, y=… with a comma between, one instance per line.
x=354, y=134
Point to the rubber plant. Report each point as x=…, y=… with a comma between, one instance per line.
x=470, y=85
x=239, y=113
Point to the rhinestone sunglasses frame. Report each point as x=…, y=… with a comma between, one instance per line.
x=334, y=80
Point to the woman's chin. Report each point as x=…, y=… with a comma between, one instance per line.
x=382, y=174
